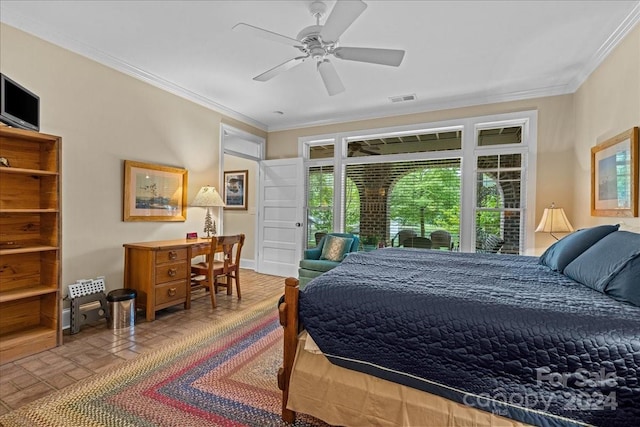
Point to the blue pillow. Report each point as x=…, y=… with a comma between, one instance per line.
x=565, y=250
x=611, y=266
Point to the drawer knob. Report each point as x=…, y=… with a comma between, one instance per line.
x=172, y=292
x=173, y=255
x=172, y=272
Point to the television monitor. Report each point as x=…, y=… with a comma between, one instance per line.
x=19, y=107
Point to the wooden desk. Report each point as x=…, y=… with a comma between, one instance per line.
x=160, y=272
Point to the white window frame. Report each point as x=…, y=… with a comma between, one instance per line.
x=468, y=154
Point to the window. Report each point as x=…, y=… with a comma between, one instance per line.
x=500, y=136
x=319, y=202
x=422, y=196
x=403, y=144
x=321, y=151
x=499, y=202
x=473, y=178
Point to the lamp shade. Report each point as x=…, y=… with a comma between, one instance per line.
x=554, y=220
x=207, y=197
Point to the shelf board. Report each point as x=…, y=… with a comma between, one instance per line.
x=28, y=135
x=28, y=249
x=28, y=210
x=26, y=341
x=17, y=294
x=32, y=333
x=28, y=171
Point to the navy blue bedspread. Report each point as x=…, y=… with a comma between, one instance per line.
x=497, y=332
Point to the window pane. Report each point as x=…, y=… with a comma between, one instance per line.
x=488, y=193
x=319, y=202
x=416, y=197
x=488, y=162
x=510, y=160
x=498, y=203
x=418, y=143
x=499, y=136
x=321, y=151
x=352, y=207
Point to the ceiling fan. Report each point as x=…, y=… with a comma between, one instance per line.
x=357, y=147
x=319, y=42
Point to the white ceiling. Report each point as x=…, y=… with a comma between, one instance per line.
x=457, y=52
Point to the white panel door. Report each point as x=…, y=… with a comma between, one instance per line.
x=281, y=216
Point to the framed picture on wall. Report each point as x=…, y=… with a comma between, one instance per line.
x=154, y=192
x=614, y=176
x=236, y=189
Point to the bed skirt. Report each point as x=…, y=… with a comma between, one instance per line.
x=344, y=397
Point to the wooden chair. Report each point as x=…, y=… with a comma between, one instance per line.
x=229, y=267
x=202, y=272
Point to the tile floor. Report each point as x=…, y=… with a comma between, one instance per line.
x=97, y=349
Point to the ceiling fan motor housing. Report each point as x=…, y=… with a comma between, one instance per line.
x=312, y=44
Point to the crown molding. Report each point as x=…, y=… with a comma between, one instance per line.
x=433, y=105
x=37, y=29
x=607, y=47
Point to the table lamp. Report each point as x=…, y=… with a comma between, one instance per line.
x=554, y=220
x=208, y=197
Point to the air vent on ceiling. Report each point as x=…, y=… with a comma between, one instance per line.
x=403, y=98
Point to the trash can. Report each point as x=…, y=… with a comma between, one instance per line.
x=122, y=308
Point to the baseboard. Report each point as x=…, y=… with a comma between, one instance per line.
x=248, y=264
x=66, y=318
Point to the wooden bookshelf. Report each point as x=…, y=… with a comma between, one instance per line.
x=30, y=306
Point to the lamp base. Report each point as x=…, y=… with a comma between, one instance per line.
x=209, y=225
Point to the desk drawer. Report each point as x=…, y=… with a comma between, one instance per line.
x=202, y=249
x=168, y=255
x=174, y=291
x=169, y=272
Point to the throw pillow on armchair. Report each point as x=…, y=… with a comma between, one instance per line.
x=333, y=246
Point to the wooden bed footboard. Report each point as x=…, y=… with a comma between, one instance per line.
x=288, y=312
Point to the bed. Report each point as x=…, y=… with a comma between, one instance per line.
x=421, y=337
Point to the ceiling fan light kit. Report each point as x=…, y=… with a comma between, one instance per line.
x=320, y=41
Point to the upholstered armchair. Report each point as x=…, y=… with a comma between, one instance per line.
x=330, y=251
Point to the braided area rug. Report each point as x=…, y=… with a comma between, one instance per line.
x=222, y=376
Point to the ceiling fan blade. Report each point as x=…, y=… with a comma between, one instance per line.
x=265, y=34
x=330, y=77
x=267, y=75
x=341, y=17
x=391, y=57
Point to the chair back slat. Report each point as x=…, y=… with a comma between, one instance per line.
x=231, y=244
x=232, y=251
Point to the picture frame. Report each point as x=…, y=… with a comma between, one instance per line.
x=614, y=176
x=154, y=192
x=236, y=189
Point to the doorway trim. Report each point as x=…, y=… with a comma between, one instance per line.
x=240, y=143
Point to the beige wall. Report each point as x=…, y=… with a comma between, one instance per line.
x=238, y=221
x=105, y=117
x=555, y=144
x=607, y=104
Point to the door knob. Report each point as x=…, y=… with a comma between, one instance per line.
x=298, y=224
